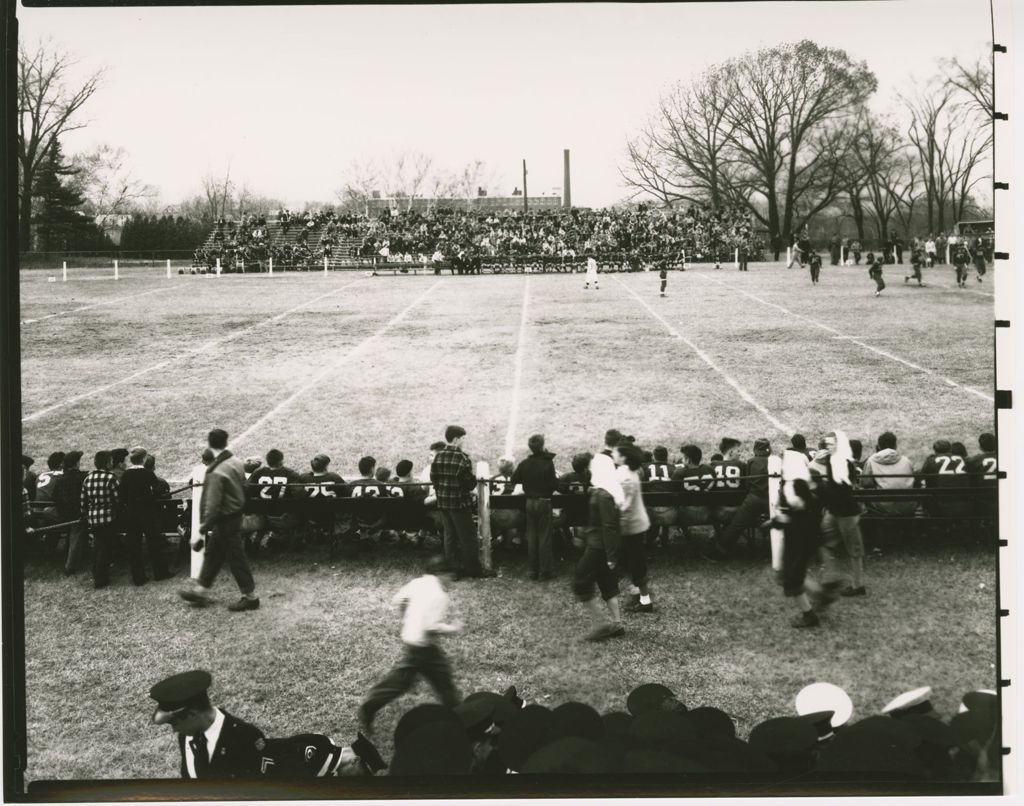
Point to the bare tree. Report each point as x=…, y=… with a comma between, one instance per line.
x=361, y=179
x=953, y=147
x=880, y=158
x=218, y=193
x=684, y=153
x=48, y=108
x=789, y=105
x=473, y=176
x=108, y=185
x=975, y=84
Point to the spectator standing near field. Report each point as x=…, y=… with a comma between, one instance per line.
x=634, y=522
x=591, y=273
x=99, y=505
x=600, y=554
x=140, y=508
x=220, y=508
x=840, y=525
x=451, y=473
x=67, y=497
x=31, y=478
x=536, y=473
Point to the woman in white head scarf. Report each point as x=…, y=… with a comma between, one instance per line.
x=600, y=554
x=841, y=523
x=799, y=517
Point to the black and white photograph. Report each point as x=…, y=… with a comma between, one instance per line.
x=527, y=400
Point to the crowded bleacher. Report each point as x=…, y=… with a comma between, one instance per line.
x=547, y=239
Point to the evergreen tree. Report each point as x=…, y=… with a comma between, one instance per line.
x=59, y=224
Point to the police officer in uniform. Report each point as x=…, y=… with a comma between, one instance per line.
x=213, y=743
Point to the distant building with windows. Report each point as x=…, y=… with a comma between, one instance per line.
x=481, y=202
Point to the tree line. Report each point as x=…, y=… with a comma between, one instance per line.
x=786, y=132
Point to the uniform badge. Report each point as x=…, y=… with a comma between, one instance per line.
x=310, y=752
x=260, y=744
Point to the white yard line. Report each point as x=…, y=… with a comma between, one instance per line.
x=331, y=368
x=778, y=424
x=851, y=339
x=181, y=356
x=94, y=305
x=513, y=419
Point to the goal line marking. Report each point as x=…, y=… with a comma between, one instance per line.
x=513, y=420
x=851, y=339
x=181, y=356
x=334, y=366
x=93, y=305
x=778, y=424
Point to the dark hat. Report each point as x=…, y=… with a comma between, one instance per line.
x=531, y=729
x=711, y=722
x=482, y=709
x=616, y=724
x=877, y=745
x=178, y=692
x=568, y=754
x=984, y=700
x=762, y=445
x=821, y=721
x=436, y=748
x=910, y=702
x=421, y=715
x=648, y=697
x=577, y=719
x=788, y=741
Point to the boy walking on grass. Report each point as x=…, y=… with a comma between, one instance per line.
x=424, y=606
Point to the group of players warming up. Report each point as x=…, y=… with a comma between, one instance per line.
x=962, y=258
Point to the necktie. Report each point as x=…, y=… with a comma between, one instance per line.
x=201, y=755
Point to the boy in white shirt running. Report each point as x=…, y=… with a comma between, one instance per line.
x=424, y=605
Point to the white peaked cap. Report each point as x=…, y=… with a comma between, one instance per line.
x=825, y=697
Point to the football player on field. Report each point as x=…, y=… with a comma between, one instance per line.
x=961, y=259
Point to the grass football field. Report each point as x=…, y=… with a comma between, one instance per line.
x=351, y=365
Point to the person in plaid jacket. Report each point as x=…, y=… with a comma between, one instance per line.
x=452, y=476
x=99, y=507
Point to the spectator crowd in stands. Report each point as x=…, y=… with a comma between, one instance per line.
x=617, y=237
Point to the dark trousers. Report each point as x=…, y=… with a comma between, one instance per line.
x=815, y=273
x=428, y=661
x=104, y=536
x=144, y=538
x=752, y=512
x=592, y=570
x=538, y=535
x=76, y=547
x=460, y=543
x=224, y=544
x=635, y=557
x=879, y=282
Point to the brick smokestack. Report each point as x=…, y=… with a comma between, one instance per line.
x=567, y=190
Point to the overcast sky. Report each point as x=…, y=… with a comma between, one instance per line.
x=289, y=95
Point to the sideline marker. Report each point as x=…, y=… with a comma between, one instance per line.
x=116, y=276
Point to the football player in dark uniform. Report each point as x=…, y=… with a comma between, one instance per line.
x=696, y=477
x=663, y=276
x=658, y=473
x=917, y=260
x=875, y=272
x=983, y=469
x=944, y=471
x=815, y=268
x=961, y=259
